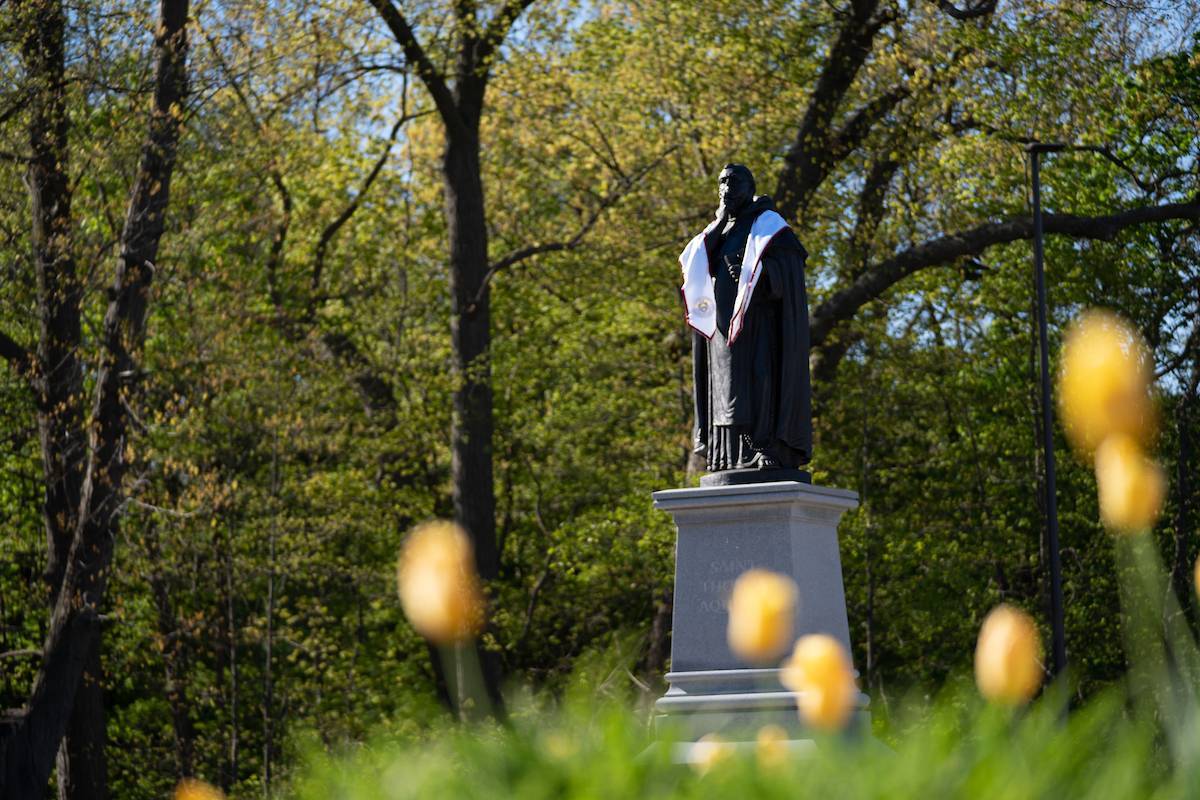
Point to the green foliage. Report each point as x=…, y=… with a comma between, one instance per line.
x=1136, y=739
x=956, y=748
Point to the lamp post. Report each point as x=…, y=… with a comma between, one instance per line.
x=1057, y=625
x=1035, y=149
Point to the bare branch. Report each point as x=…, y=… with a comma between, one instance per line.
x=606, y=202
x=19, y=103
x=279, y=235
x=1147, y=186
x=870, y=211
x=852, y=134
x=464, y=10
x=982, y=8
x=27, y=653
x=433, y=79
x=1124, y=166
x=498, y=28
x=278, y=240
x=808, y=159
x=12, y=352
x=945, y=249
x=346, y=213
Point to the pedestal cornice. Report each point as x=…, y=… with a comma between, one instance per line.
x=757, y=494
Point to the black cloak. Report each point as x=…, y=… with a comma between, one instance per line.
x=755, y=395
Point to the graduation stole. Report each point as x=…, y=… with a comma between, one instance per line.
x=699, y=299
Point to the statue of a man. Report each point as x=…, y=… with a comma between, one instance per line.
x=743, y=291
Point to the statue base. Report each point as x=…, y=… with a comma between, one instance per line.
x=738, y=477
x=784, y=526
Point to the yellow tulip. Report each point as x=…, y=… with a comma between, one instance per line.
x=761, y=609
x=771, y=746
x=189, y=789
x=439, y=588
x=1196, y=576
x=1103, y=381
x=1008, y=656
x=820, y=672
x=708, y=751
x=561, y=746
x=1131, y=486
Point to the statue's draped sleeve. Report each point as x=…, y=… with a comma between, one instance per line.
x=784, y=261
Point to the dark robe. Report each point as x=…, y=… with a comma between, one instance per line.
x=754, y=395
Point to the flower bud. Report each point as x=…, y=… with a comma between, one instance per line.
x=438, y=586
x=771, y=746
x=1103, y=381
x=1131, y=486
x=1008, y=656
x=189, y=789
x=708, y=751
x=821, y=674
x=761, y=609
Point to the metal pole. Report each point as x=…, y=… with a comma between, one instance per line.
x=1056, y=592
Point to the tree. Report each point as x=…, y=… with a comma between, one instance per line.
x=458, y=96
x=836, y=125
x=84, y=457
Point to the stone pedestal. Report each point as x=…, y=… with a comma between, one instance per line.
x=787, y=527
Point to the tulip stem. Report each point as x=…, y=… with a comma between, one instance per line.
x=460, y=683
x=1164, y=660
x=470, y=700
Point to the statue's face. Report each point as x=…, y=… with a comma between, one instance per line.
x=734, y=189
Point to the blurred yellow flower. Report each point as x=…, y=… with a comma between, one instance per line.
x=189, y=789
x=1131, y=486
x=561, y=746
x=708, y=751
x=771, y=746
x=1008, y=656
x=1103, y=381
x=1196, y=576
x=761, y=608
x=439, y=588
x=821, y=673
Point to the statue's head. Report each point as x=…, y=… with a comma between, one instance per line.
x=735, y=187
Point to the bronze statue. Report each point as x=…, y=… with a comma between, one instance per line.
x=744, y=296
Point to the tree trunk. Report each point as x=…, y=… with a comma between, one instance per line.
x=461, y=109
x=81, y=767
x=470, y=330
x=231, y=772
x=471, y=447
x=658, y=647
x=57, y=378
x=175, y=658
x=70, y=654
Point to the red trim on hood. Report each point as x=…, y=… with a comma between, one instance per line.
x=735, y=323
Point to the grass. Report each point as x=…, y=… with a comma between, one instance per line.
x=1138, y=740
x=959, y=747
